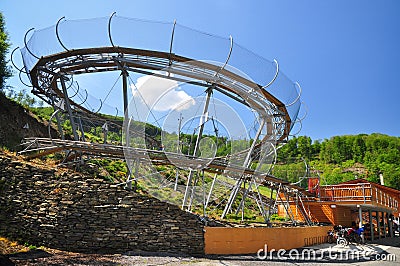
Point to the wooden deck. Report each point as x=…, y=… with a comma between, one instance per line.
x=361, y=193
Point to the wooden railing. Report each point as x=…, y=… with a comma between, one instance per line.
x=363, y=193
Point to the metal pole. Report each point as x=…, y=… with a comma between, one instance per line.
x=378, y=224
x=179, y=133
x=275, y=202
x=360, y=222
x=248, y=157
x=81, y=129
x=129, y=181
x=360, y=218
x=286, y=205
x=55, y=113
x=233, y=194
x=246, y=164
x=192, y=192
x=178, y=149
x=203, y=119
x=60, y=129
x=243, y=200
x=263, y=211
x=371, y=225
x=105, y=131
x=384, y=224
x=67, y=103
x=270, y=205
x=204, y=194
x=136, y=175
x=170, y=45
x=176, y=179
x=125, y=88
x=211, y=189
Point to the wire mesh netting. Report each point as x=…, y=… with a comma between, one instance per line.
x=164, y=37
x=197, y=102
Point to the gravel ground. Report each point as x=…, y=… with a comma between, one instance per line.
x=55, y=257
x=20, y=255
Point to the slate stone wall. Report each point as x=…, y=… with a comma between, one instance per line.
x=76, y=213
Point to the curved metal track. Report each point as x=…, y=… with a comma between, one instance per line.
x=49, y=69
x=49, y=73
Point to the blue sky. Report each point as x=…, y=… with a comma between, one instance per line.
x=345, y=54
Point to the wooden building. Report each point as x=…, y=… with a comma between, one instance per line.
x=352, y=203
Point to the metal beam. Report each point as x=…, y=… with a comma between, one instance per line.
x=203, y=120
x=371, y=225
x=68, y=106
x=246, y=164
x=125, y=89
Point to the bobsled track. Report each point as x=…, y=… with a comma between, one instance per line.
x=54, y=58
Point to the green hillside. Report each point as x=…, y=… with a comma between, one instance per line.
x=337, y=159
x=343, y=158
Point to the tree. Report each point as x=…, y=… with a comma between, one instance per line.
x=358, y=148
x=316, y=148
x=5, y=71
x=288, y=151
x=304, y=147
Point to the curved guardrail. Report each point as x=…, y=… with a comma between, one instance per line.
x=73, y=47
x=53, y=56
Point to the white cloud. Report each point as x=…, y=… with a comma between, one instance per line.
x=161, y=94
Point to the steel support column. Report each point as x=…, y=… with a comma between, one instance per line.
x=390, y=223
x=178, y=150
x=69, y=110
x=378, y=223
x=81, y=129
x=246, y=163
x=125, y=88
x=371, y=224
x=384, y=223
x=203, y=119
x=360, y=222
x=211, y=189
x=56, y=109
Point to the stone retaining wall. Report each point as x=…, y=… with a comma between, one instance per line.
x=72, y=212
